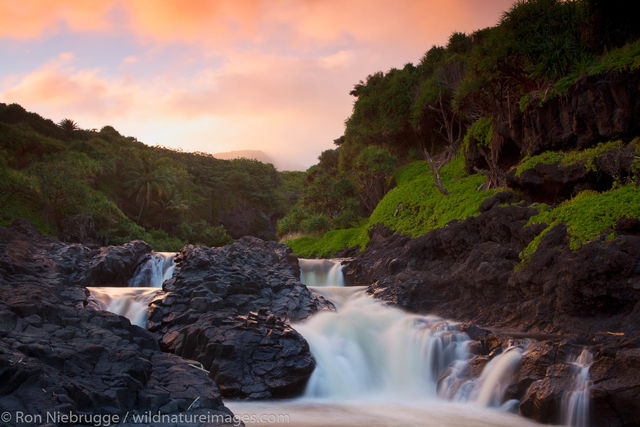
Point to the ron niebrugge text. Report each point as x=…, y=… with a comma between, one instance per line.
x=100, y=420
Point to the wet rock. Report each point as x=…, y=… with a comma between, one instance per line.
x=543, y=398
x=467, y=271
x=106, y=266
x=230, y=308
x=616, y=387
x=58, y=354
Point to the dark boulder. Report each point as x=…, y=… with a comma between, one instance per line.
x=59, y=354
x=497, y=199
x=230, y=308
x=106, y=266
x=471, y=271
x=615, y=393
x=553, y=182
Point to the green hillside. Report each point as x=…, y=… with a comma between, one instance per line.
x=103, y=187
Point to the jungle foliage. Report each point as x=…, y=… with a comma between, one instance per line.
x=58, y=175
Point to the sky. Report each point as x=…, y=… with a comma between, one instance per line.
x=216, y=76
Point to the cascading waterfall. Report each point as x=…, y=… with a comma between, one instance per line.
x=378, y=365
x=490, y=387
x=321, y=272
x=153, y=272
x=575, y=403
x=366, y=347
x=133, y=302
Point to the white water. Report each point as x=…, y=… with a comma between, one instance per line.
x=366, y=348
x=376, y=365
x=153, y=272
x=379, y=366
x=338, y=295
x=373, y=413
x=575, y=405
x=132, y=303
x=321, y=272
x=489, y=389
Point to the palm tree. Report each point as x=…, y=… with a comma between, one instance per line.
x=151, y=178
x=68, y=126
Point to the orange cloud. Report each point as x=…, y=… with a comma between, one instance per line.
x=298, y=22
x=283, y=68
x=191, y=21
x=28, y=19
x=55, y=90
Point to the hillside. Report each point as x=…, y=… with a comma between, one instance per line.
x=544, y=105
x=497, y=183
x=104, y=188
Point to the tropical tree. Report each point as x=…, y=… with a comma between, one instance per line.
x=68, y=126
x=151, y=178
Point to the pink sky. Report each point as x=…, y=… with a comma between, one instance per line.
x=217, y=76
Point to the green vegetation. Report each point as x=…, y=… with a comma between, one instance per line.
x=626, y=58
x=481, y=130
x=414, y=207
x=590, y=154
x=587, y=157
x=453, y=96
x=330, y=242
x=588, y=216
x=56, y=174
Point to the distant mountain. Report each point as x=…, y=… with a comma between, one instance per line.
x=260, y=156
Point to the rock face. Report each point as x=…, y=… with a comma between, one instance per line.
x=596, y=108
x=467, y=271
x=57, y=354
x=106, y=266
x=556, y=181
x=449, y=271
x=229, y=309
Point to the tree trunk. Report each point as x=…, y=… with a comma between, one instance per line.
x=435, y=171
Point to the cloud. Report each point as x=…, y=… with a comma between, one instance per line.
x=301, y=23
x=214, y=76
x=28, y=19
x=276, y=107
x=58, y=87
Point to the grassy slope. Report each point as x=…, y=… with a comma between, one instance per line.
x=422, y=208
x=589, y=215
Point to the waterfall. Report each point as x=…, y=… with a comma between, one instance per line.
x=321, y=272
x=132, y=303
x=369, y=348
x=575, y=403
x=499, y=373
x=338, y=295
x=154, y=271
x=378, y=365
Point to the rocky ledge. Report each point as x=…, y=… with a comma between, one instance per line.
x=567, y=300
x=230, y=308
x=59, y=356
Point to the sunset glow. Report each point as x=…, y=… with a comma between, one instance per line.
x=217, y=76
